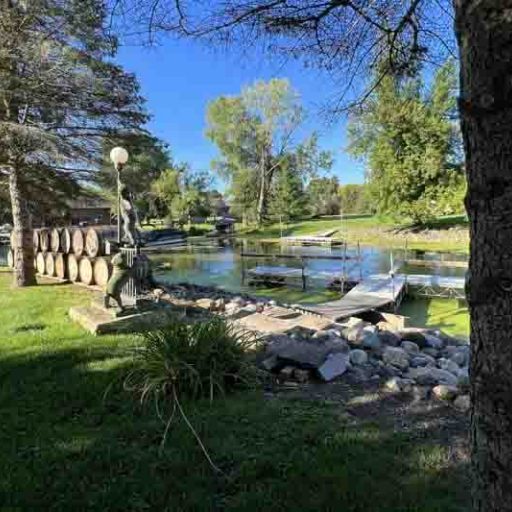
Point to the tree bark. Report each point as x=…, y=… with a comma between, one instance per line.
x=484, y=32
x=23, y=245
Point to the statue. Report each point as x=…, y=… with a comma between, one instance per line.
x=129, y=216
x=120, y=274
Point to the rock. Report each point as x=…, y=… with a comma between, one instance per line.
x=272, y=303
x=421, y=393
x=463, y=378
x=220, y=305
x=305, y=354
x=389, y=338
x=398, y=385
x=270, y=363
x=239, y=301
x=393, y=385
x=422, y=360
x=432, y=352
x=286, y=373
x=433, y=341
x=389, y=370
x=301, y=376
x=463, y=403
x=410, y=347
x=354, y=321
x=396, y=357
x=370, y=339
x=334, y=366
x=251, y=308
x=260, y=306
x=445, y=392
x=459, y=358
x=443, y=376
x=413, y=334
x=205, y=303
x=431, y=376
x=448, y=365
x=358, y=357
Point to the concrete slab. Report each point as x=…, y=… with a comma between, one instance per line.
x=99, y=321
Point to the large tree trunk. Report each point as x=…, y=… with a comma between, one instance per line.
x=23, y=245
x=484, y=30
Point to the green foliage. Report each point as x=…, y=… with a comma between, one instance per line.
x=354, y=199
x=323, y=196
x=195, y=359
x=183, y=193
x=411, y=145
x=255, y=134
x=149, y=158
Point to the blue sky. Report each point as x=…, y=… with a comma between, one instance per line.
x=179, y=78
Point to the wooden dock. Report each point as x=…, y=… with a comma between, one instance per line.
x=311, y=240
x=374, y=292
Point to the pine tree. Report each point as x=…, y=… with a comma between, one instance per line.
x=60, y=95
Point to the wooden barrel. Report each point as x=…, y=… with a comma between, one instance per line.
x=50, y=264
x=61, y=270
x=10, y=258
x=35, y=238
x=41, y=262
x=93, y=242
x=55, y=240
x=73, y=268
x=44, y=239
x=77, y=242
x=102, y=271
x=65, y=241
x=85, y=271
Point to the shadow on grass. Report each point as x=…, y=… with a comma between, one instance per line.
x=64, y=448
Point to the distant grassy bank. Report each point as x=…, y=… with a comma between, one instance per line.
x=444, y=234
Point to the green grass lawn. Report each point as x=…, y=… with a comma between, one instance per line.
x=63, y=447
x=373, y=230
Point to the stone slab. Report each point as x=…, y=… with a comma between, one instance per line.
x=315, y=323
x=98, y=321
x=265, y=324
x=280, y=312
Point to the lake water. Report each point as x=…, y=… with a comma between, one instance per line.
x=219, y=263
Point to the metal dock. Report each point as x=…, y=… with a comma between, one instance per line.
x=374, y=292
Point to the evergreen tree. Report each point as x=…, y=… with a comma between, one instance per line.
x=410, y=144
x=60, y=95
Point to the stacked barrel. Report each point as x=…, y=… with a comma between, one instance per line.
x=74, y=253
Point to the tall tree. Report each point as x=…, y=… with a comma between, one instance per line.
x=254, y=133
x=409, y=143
x=60, y=94
x=323, y=196
x=351, y=36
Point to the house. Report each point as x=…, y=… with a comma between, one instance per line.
x=87, y=210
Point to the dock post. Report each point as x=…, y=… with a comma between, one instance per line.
x=303, y=274
x=359, y=261
x=243, y=268
x=344, y=268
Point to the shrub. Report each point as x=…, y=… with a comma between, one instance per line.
x=194, y=360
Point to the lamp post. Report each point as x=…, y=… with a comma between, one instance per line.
x=119, y=157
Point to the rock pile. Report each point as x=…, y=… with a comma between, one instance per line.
x=419, y=361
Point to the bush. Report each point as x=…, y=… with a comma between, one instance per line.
x=195, y=360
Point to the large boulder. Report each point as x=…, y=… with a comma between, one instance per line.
x=422, y=360
x=433, y=341
x=334, y=366
x=431, y=376
x=305, y=354
x=396, y=356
